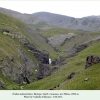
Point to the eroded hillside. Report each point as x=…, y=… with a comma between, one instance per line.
x=51, y=59
x=22, y=50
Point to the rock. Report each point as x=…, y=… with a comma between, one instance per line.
x=71, y=75
x=51, y=89
x=58, y=85
x=18, y=71
x=54, y=87
x=86, y=79
x=41, y=55
x=81, y=47
x=21, y=87
x=76, y=49
x=2, y=84
x=5, y=30
x=43, y=71
x=26, y=80
x=44, y=57
x=57, y=40
x=90, y=60
x=58, y=60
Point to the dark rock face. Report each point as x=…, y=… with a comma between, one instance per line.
x=76, y=49
x=71, y=75
x=5, y=30
x=18, y=71
x=42, y=56
x=43, y=71
x=58, y=60
x=81, y=47
x=90, y=60
x=26, y=80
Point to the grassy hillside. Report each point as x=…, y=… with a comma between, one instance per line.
x=75, y=64
x=58, y=31
x=10, y=46
x=40, y=25
x=65, y=44
x=16, y=25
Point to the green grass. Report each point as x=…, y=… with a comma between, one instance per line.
x=40, y=25
x=75, y=64
x=78, y=83
x=9, y=46
x=9, y=85
x=57, y=31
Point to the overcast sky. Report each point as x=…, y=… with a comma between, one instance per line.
x=76, y=9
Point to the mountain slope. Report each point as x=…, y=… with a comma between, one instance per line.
x=21, y=50
x=25, y=54
x=86, y=23
x=29, y=19
x=45, y=20
x=58, y=80
x=15, y=60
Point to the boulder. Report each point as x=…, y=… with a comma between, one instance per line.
x=5, y=30
x=90, y=60
x=71, y=75
x=86, y=79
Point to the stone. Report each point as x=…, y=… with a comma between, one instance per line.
x=86, y=79
x=43, y=71
x=2, y=84
x=26, y=80
x=5, y=30
x=90, y=60
x=21, y=87
x=71, y=75
x=58, y=60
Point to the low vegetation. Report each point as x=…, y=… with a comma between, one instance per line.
x=74, y=64
x=9, y=46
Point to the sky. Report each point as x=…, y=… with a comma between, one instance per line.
x=77, y=9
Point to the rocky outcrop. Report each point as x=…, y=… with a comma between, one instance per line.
x=79, y=47
x=23, y=71
x=43, y=59
x=15, y=35
x=71, y=75
x=5, y=30
x=76, y=49
x=2, y=84
x=43, y=71
x=18, y=70
x=90, y=60
x=58, y=60
x=41, y=55
x=57, y=40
